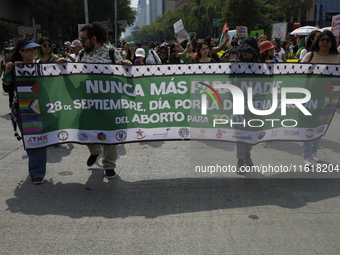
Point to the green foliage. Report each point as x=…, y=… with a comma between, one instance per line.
x=67, y=14
x=255, y=14
x=7, y=29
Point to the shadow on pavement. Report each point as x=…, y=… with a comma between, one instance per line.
x=153, y=198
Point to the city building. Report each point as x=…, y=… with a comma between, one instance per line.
x=181, y=3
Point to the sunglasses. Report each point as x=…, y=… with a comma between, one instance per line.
x=47, y=45
x=325, y=40
x=83, y=40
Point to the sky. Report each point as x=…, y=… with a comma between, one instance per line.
x=134, y=3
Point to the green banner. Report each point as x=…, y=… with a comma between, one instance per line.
x=110, y=104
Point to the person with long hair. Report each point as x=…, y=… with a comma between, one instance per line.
x=267, y=52
x=279, y=53
x=311, y=39
x=286, y=48
x=130, y=55
x=212, y=46
x=45, y=52
x=176, y=52
x=25, y=53
x=323, y=51
x=203, y=53
x=188, y=58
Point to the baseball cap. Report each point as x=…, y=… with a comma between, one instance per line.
x=67, y=43
x=131, y=43
x=76, y=43
x=140, y=52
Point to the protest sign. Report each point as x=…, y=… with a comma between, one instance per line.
x=242, y=31
x=280, y=30
x=182, y=34
x=336, y=27
x=238, y=102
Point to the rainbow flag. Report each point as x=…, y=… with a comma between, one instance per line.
x=31, y=124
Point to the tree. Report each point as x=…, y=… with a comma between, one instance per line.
x=63, y=16
x=6, y=30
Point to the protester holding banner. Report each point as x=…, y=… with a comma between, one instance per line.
x=25, y=52
x=45, y=52
x=250, y=52
x=323, y=51
x=267, y=52
x=203, y=54
x=280, y=54
x=93, y=37
x=312, y=37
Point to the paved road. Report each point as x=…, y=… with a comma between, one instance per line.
x=160, y=205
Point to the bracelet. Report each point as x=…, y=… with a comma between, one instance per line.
x=7, y=78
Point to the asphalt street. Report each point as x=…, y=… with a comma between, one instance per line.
x=159, y=204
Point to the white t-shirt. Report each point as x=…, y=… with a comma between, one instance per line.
x=303, y=53
x=278, y=55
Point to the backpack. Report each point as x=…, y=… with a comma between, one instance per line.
x=111, y=53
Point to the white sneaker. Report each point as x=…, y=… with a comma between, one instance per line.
x=315, y=157
x=308, y=162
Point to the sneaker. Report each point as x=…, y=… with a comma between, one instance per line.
x=240, y=163
x=308, y=162
x=248, y=160
x=38, y=180
x=315, y=157
x=92, y=159
x=110, y=173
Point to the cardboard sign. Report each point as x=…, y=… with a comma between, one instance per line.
x=242, y=31
x=280, y=30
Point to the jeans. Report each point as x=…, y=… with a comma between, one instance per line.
x=310, y=147
x=109, y=154
x=37, y=159
x=242, y=149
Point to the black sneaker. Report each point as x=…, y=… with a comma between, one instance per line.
x=92, y=159
x=240, y=163
x=248, y=160
x=110, y=173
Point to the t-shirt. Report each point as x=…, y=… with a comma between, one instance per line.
x=187, y=58
x=317, y=58
x=278, y=55
x=303, y=53
x=173, y=59
x=101, y=55
x=195, y=60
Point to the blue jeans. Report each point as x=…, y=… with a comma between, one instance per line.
x=242, y=149
x=310, y=147
x=37, y=159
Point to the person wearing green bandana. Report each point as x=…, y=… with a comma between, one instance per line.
x=279, y=53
